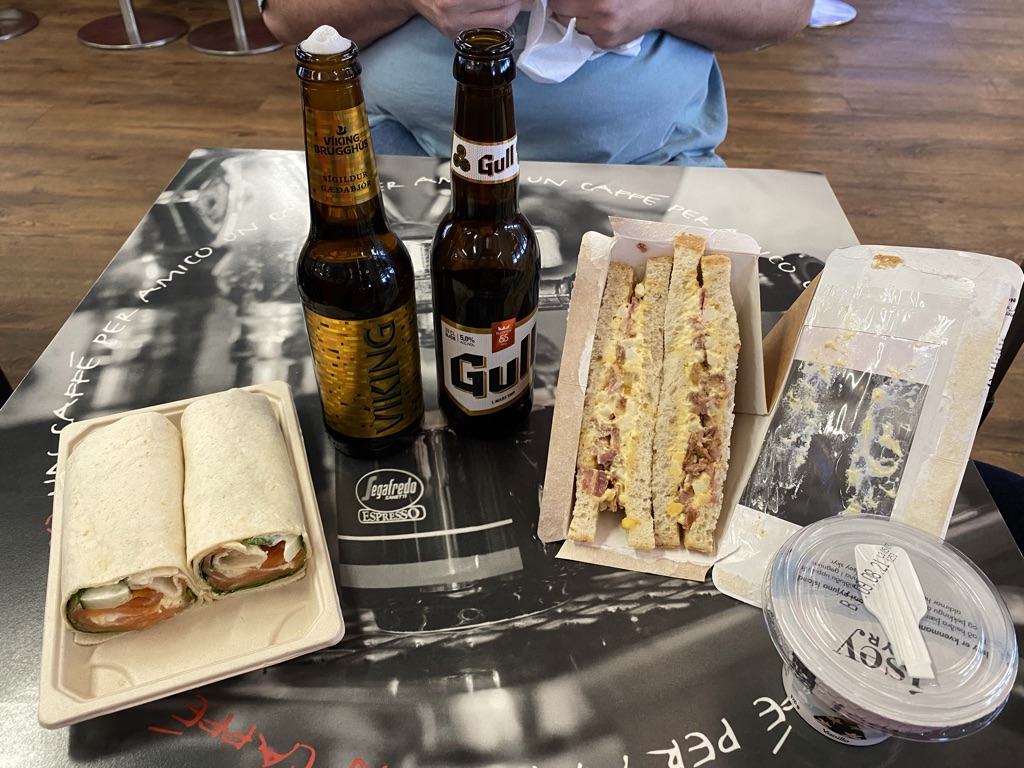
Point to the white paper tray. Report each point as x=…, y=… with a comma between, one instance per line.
x=244, y=632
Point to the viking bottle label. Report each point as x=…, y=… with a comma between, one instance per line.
x=368, y=377
x=342, y=171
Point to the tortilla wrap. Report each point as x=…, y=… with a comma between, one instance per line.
x=122, y=514
x=239, y=482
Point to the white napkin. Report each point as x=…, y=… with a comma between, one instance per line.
x=554, y=52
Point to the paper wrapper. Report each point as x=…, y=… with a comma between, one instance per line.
x=879, y=374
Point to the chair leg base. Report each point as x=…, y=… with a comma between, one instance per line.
x=14, y=22
x=831, y=13
x=155, y=29
x=219, y=39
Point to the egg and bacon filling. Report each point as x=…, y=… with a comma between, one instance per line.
x=692, y=466
x=134, y=603
x=253, y=562
x=695, y=467
x=702, y=355
x=616, y=413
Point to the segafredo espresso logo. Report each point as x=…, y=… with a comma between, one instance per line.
x=390, y=496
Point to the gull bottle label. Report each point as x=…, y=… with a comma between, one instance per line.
x=487, y=369
x=485, y=163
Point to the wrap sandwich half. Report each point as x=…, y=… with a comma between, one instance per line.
x=122, y=530
x=243, y=512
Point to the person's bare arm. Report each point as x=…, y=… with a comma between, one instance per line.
x=721, y=25
x=363, y=21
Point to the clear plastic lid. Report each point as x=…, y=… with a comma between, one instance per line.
x=815, y=611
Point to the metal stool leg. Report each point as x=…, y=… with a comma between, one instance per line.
x=132, y=30
x=831, y=13
x=236, y=36
x=14, y=22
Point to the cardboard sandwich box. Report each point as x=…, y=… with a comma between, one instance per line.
x=864, y=399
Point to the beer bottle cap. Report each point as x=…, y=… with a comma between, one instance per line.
x=325, y=41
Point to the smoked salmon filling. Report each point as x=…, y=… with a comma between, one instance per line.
x=129, y=605
x=252, y=563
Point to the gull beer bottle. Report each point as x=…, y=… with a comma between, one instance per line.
x=354, y=275
x=485, y=262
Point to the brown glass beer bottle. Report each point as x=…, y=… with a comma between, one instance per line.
x=354, y=275
x=485, y=261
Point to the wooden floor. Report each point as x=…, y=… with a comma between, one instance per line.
x=914, y=113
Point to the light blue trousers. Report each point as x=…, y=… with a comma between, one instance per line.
x=665, y=106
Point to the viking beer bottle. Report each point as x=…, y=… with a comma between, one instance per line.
x=354, y=275
x=485, y=261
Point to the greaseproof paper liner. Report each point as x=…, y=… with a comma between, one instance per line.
x=882, y=397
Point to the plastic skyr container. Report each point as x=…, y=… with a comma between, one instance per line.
x=847, y=677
